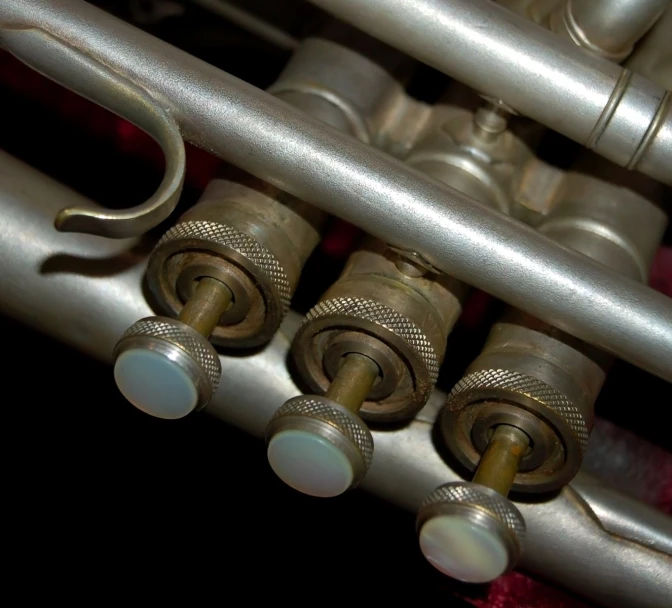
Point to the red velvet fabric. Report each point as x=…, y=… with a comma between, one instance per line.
x=516, y=590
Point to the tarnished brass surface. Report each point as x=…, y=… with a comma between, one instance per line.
x=353, y=381
x=499, y=464
x=207, y=304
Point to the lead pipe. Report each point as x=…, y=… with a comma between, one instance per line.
x=85, y=290
x=349, y=179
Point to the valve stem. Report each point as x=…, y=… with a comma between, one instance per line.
x=319, y=445
x=167, y=367
x=470, y=530
x=353, y=381
x=207, y=304
x=499, y=464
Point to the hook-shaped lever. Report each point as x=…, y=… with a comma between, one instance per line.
x=82, y=74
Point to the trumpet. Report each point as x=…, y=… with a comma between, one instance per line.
x=504, y=463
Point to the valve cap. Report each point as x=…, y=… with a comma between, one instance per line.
x=318, y=447
x=470, y=532
x=165, y=368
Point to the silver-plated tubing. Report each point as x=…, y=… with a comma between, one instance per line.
x=43, y=269
x=252, y=236
x=535, y=377
x=480, y=508
x=356, y=94
x=652, y=57
x=395, y=203
x=534, y=71
x=607, y=27
x=536, y=10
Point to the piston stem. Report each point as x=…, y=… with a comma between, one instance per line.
x=499, y=464
x=207, y=304
x=353, y=381
x=490, y=121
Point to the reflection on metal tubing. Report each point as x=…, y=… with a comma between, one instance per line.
x=537, y=73
x=653, y=56
x=85, y=290
x=607, y=27
x=391, y=201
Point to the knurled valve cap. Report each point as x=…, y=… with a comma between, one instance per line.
x=470, y=532
x=318, y=447
x=165, y=367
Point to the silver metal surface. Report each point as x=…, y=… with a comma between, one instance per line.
x=473, y=152
x=653, y=56
x=536, y=10
x=393, y=202
x=389, y=308
x=254, y=237
x=614, y=511
x=529, y=368
x=537, y=73
x=609, y=28
x=563, y=534
x=85, y=290
x=608, y=223
x=358, y=95
x=93, y=80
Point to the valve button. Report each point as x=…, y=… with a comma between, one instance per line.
x=317, y=446
x=463, y=549
x=470, y=532
x=166, y=368
x=155, y=384
x=310, y=463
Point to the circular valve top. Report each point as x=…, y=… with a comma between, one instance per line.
x=318, y=447
x=310, y=463
x=165, y=368
x=463, y=549
x=155, y=384
x=470, y=532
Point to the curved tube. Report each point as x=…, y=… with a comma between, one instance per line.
x=653, y=56
x=590, y=99
x=609, y=27
x=85, y=290
x=94, y=81
x=391, y=201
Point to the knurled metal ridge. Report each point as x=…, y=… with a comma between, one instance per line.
x=525, y=385
x=200, y=349
x=493, y=503
x=384, y=316
x=244, y=244
x=351, y=426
